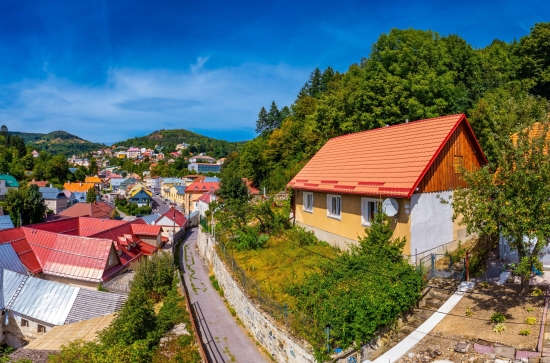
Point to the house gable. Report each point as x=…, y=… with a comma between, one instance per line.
x=460, y=150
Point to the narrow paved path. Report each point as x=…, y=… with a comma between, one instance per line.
x=226, y=341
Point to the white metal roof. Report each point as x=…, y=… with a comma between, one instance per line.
x=9, y=259
x=44, y=300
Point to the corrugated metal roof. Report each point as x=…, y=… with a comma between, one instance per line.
x=5, y=222
x=90, y=304
x=44, y=300
x=151, y=218
x=9, y=259
x=10, y=282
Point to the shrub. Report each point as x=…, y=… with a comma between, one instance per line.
x=301, y=236
x=531, y=320
x=498, y=317
x=499, y=328
x=469, y=312
x=155, y=275
x=525, y=332
x=250, y=239
x=537, y=292
x=529, y=309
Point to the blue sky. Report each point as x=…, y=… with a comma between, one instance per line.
x=109, y=70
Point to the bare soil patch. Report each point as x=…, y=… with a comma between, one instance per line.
x=484, y=302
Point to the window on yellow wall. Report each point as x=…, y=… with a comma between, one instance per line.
x=369, y=207
x=334, y=206
x=308, y=202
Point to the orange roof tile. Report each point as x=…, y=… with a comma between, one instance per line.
x=78, y=187
x=93, y=179
x=388, y=161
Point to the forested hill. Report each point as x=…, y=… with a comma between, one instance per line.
x=168, y=139
x=409, y=74
x=58, y=142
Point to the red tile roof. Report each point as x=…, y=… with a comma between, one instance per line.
x=145, y=229
x=199, y=186
x=205, y=198
x=388, y=161
x=94, y=210
x=171, y=213
x=39, y=183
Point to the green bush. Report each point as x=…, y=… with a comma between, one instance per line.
x=155, y=275
x=250, y=239
x=498, y=317
x=359, y=291
x=299, y=235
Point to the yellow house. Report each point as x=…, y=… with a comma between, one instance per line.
x=177, y=194
x=406, y=169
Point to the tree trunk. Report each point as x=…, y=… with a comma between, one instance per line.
x=524, y=289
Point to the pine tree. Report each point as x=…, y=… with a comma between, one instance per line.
x=262, y=122
x=273, y=117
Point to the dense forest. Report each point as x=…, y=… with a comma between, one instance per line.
x=168, y=139
x=58, y=142
x=409, y=74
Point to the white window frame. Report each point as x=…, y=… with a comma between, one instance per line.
x=365, y=210
x=330, y=214
x=306, y=209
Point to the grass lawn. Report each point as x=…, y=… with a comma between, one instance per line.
x=280, y=264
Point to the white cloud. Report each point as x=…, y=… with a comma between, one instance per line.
x=135, y=102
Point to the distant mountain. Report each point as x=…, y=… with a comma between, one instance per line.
x=168, y=139
x=58, y=142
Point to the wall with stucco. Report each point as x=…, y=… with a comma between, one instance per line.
x=431, y=221
x=266, y=332
x=346, y=230
x=17, y=334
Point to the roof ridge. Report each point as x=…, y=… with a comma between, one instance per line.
x=396, y=125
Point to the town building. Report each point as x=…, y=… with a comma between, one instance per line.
x=31, y=306
x=202, y=159
x=205, y=167
x=133, y=153
x=79, y=190
x=173, y=222
x=337, y=200
x=7, y=182
x=83, y=252
x=196, y=189
x=100, y=210
x=55, y=199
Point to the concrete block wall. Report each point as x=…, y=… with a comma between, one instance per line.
x=277, y=342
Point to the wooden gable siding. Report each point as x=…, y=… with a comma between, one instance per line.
x=441, y=174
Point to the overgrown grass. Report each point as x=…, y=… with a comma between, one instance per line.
x=290, y=262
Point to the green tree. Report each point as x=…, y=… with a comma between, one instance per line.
x=91, y=196
x=502, y=112
x=533, y=53
x=26, y=205
x=511, y=198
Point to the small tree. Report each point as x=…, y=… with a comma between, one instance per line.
x=91, y=196
x=512, y=198
x=26, y=205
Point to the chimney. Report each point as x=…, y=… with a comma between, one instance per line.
x=80, y=183
x=406, y=121
x=51, y=185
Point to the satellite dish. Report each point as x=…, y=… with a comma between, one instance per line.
x=390, y=207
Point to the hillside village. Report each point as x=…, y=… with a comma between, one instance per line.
x=395, y=212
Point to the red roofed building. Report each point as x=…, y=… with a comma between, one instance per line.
x=82, y=251
x=196, y=189
x=172, y=222
x=100, y=210
x=408, y=166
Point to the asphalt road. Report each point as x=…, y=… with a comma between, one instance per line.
x=225, y=341
x=158, y=204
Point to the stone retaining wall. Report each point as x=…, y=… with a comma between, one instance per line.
x=276, y=341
